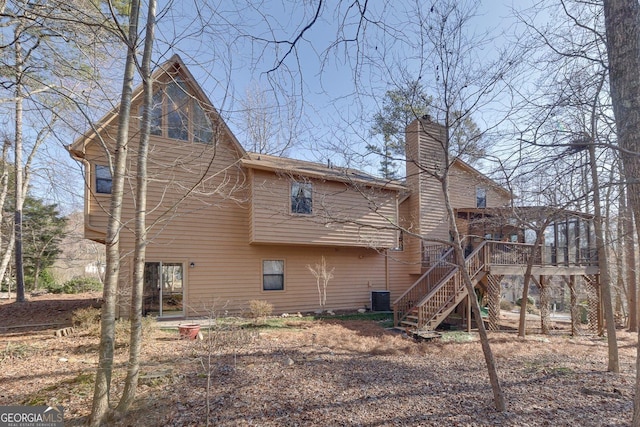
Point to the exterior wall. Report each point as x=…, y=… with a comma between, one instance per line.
x=225, y=278
x=425, y=159
x=462, y=187
x=204, y=209
x=342, y=214
x=211, y=227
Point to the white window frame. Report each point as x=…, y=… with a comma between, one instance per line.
x=299, y=207
x=268, y=273
x=481, y=197
x=99, y=178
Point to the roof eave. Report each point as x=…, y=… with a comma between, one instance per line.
x=257, y=164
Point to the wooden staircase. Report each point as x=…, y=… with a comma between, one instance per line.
x=437, y=292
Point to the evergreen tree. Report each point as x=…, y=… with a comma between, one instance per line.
x=43, y=229
x=400, y=107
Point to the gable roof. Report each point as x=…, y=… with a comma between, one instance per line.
x=172, y=65
x=490, y=182
x=317, y=170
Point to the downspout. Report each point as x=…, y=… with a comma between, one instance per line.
x=386, y=269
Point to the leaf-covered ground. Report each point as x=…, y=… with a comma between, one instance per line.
x=320, y=373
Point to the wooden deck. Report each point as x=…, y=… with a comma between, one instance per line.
x=440, y=289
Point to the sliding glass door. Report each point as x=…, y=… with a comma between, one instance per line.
x=163, y=289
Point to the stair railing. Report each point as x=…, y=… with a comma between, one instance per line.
x=446, y=294
x=416, y=292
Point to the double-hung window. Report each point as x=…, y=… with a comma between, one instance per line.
x=273, y=275
x=103, y=179
x=301, y=198
x=481, y=197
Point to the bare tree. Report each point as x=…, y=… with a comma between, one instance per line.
x=100, y=406
x=135, y=341
x=270, y=127
x=323, y=275
x=571, y=117
x=43, y=46
x=461, y=86
x=622, y=22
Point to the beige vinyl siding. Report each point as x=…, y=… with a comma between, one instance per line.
x=354, y=268
x=205, y=208
x=424, y=147
x=426, y=150
x=342, y=214
x=211, y=228
x=463, y=185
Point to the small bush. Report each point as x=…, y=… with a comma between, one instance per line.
x=15, y=351
x=54, y=288
x=87, y=319
x=530, y=301
x=506, y=305
x=79, y=285
x=45, y=280
x=123, y=329
x=259, y=309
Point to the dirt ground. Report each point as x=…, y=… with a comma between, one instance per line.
x=316, y=373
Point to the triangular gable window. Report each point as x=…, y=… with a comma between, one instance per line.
x=178, y=115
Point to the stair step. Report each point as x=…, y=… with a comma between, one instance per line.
x=427, y=335
x=408, y=323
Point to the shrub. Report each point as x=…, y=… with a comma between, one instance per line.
x=506, y=305
x=54, y=288
x=259, y=309
x=530, y=301
x=46, y=279
x=86, y=319
x=79, y=285
x=123, y=329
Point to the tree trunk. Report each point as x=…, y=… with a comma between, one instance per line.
x=4, y=191
x=630, y=265
x=135, y=344
x=622, y=23
x=522, y=323
x=498, y=396
x=6, y=256
x=573, y=303
x=36, y=273
x=543, y=284
x=603, y=257
x=100, y=406
x=19, y=197
x=621, y=289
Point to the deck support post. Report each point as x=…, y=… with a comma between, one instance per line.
x=594, y=304
x=573, y=298
x=543, y=286
x=600, y=306
x=468, y=302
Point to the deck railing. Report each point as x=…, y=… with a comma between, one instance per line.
x=441, y=285
x=439, y=268
x=432, y=254
x=507, y=253
x=436, y=305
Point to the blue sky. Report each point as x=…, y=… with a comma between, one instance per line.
x=333, y=90
x=336, y=100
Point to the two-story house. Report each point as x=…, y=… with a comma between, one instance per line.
x=228, y=226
